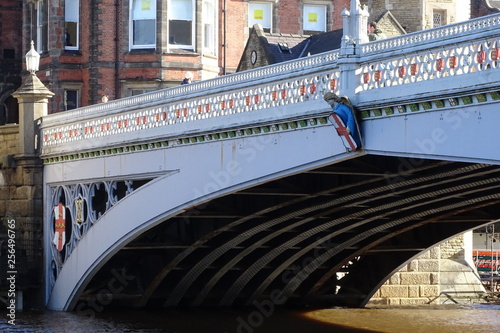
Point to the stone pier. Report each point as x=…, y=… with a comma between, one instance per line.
x=442, y=274
x=21, y=196
x=21, y=202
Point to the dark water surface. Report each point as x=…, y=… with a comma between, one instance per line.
x=441, y=319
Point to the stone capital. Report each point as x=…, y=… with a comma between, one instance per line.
x=33, y=98
x=32, y=90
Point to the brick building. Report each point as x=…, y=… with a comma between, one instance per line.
x=90, y=49
x=10, y=58
x=394, y=17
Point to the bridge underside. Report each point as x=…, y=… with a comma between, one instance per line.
x=329, y=236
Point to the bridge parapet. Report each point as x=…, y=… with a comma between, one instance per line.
x=415, y=67
x=196, y=108
x=461, y=31
x=436, y=62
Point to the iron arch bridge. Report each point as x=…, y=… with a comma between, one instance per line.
x=238, y=189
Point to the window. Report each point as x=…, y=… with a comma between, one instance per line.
x=260, y=13
x=438, y=19
x=135, y=92
x=284, y=48
x=180, y=24
x=143, y=24
x=209, y=19
x=71, y=99
x=9, y=111
x=314, y=19
x=71, y=20
x=41, y=24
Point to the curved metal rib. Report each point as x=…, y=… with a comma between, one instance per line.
x=279, y=270
x=299, y=278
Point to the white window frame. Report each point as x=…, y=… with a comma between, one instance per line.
x=266, y=21
x=184, y=16
x=210, y=26
x=320, y=15
x=152, y=4
x=39, y=24
x=72, y=14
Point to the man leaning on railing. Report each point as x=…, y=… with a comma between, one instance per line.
x=374, y=33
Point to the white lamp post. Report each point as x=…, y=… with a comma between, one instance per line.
x=32, y=60
x=33, y=98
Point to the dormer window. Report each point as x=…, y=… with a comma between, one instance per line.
x=284, y=48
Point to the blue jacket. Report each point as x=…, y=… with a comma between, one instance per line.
x=345, y=112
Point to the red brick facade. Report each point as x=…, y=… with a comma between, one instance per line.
x=105, y=64
x=10, y=58
x=338, y=7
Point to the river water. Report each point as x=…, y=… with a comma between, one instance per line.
x=428, y=319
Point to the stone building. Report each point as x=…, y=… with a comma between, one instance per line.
x=21, y=202
x=393, y=17
x=416, y=15
x=265, y=48
x=21, y=198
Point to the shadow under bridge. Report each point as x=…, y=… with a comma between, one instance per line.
x=329, y=236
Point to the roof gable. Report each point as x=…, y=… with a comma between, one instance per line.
x=264, y=49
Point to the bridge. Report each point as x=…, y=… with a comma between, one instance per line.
x=238, y=189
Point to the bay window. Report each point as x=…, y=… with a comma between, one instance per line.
x=143, y=24
x=180, y=24
x=209, y=25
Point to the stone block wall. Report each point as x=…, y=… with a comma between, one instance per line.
x=21, y=200
x=407, y=12
x=9, y=139
x=415, y=283
x=439, y=273
x=416, y=15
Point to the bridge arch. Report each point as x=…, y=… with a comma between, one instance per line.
x=328, y=229
x=207, y=176
x=229, y=219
